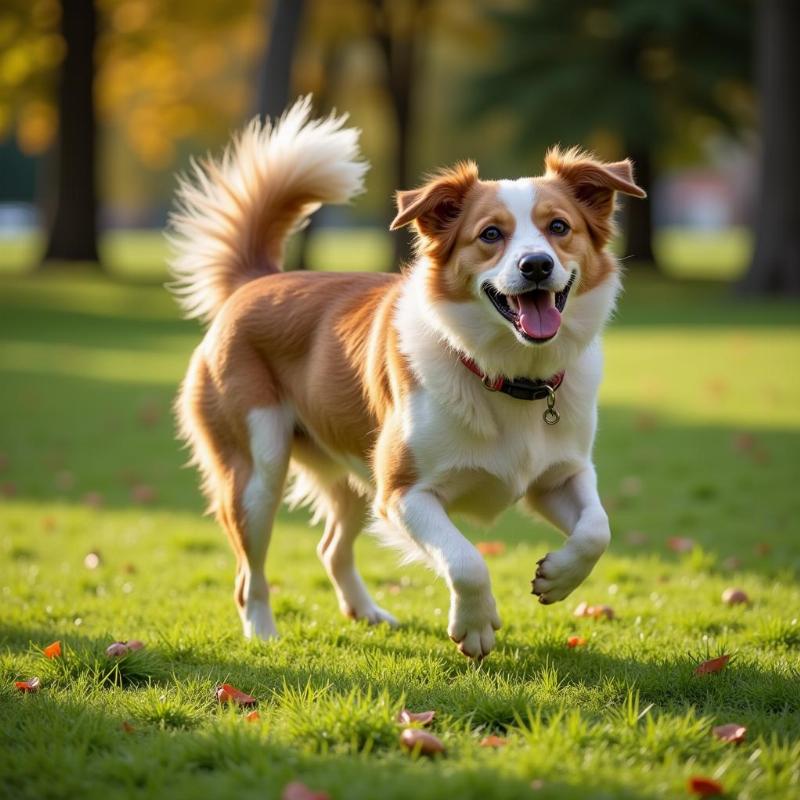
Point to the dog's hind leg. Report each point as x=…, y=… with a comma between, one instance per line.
x=256, y=493
x=344, y=521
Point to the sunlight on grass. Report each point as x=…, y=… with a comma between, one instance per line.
x=698, y=438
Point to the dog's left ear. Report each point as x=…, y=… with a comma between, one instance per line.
x=435, y=207
x=593, y=183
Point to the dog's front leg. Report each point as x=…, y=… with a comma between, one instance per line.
x=574, y=507
x=418, y=515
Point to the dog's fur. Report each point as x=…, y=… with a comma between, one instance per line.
x=352, y=383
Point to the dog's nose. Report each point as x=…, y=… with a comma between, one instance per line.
x=536, y=266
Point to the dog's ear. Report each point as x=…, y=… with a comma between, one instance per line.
x=593, y=184
x=435, y=207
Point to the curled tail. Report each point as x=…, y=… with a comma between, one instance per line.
x=234, y=214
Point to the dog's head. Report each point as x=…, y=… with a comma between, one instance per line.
x=523, y=263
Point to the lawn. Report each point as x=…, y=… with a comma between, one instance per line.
x=699, y=439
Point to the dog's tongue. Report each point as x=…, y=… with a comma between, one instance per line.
x=538, y=316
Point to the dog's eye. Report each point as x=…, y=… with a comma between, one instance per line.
x=559, y=227
x=491, y=234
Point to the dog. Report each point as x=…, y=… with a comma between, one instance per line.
x=461, y=386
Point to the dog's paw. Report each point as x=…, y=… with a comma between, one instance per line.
x=372, y=614
x=258, y=622
x=559, y=573
x=473, y=621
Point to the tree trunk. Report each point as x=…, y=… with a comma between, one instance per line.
x=275, y=79
x=400, y=54
x=638, y=213
x=73, y=232
x=775, y=268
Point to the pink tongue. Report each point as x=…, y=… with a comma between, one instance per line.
x=538, y=317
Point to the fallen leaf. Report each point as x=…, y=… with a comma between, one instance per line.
x=92, y=560
x=732, y=563
x=8, y=489
x=732, y=732
x=705, y=787
x=117, y=650
x=491, y=548
x=226, y=693
x=680, y=544
x=149, y=413
x=421, y=742
x=493, y=741
x=29, y=686
x=595, y=612
x=576, y=641
x=127, y=727
x=537, y=784
x=253, y=716
x=406, y=717
x=712, y=665
x=49, y=524
x=732, y=596
x=134, y=644
x=763, y=549
x=52, y=650
x=299, y=791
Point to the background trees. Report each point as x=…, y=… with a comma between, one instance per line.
x=647, y=80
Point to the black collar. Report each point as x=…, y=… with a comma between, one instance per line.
x=519, y=388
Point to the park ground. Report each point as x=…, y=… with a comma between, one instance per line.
x=699, y=440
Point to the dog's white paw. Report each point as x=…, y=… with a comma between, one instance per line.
x=258, y=622
x=559, y=573
x=374, y=615
x=473, y=621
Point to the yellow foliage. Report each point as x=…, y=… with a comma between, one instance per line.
x=36, y=127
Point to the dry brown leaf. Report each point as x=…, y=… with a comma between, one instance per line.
x=406, y=717
x=704, y=787
x=732, y=596
x=226, y=693
x=52, y=650
x=299, y=791
x=422, y=742
x=712, y=665
x=493, y=741
x=732, y=732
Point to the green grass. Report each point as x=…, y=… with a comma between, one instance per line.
x=699, y=437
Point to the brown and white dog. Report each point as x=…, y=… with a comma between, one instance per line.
x=371, y=389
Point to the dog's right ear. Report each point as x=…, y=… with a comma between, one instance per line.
x=435, y=207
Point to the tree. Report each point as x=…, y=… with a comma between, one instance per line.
x=275, y=79
x=645, y=78
x=775, y=267
x=73, y=231
x=399, y=28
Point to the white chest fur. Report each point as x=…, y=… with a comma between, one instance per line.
x=480, y=450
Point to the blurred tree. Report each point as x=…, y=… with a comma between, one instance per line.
x=400, y=28
x=73, y=231
x=627, y=77
x=776, y=261
x=275, y=78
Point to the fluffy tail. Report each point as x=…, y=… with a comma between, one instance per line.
x=234, y=215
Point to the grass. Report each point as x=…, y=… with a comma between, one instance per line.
x=699, y=438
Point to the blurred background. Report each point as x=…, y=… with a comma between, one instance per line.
x=101, y=103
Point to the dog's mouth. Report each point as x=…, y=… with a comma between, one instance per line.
x=536, y=314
